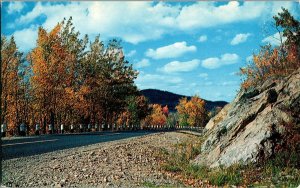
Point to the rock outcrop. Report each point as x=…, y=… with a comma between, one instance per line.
x=248, y=129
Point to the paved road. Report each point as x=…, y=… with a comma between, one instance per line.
x=14, y=148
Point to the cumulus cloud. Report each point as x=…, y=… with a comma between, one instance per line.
x=229, y=83
x=177, y=66
x=26, y=38
x=209, y=15
x=143, y=63
x=148, y=79
x=249, y=58
x=233, y=73
x=131, y=53
x=215, y=62
x=14, y=7
x=143, y=20
x=146, y=21
x=203, y=75
x=202, y=38
x=240, y=38
x=171, y=51
x=274, y=39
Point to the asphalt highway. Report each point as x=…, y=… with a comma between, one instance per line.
x=27, y=146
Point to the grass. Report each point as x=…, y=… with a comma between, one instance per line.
x=153, y=185
x=274, y=172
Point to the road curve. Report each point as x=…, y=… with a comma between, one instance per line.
x=27, y=146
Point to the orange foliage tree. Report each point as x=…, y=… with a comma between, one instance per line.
x=157, y=117
x=67, y=81
x=14, y=101
x=276, y=61
x=192, y=112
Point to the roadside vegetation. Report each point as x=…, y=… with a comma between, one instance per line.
x=280, y=171
x=72, y=81
x=283, y=168
x=275, y=61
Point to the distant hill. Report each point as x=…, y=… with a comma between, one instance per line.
x=156, y=96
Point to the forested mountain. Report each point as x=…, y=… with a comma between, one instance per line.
x=156, y=96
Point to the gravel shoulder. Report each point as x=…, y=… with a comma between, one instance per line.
x=132, y=162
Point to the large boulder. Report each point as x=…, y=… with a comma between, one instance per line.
x=248, y=129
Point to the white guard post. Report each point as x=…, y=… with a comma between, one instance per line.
x=22, y=129
x=62, y=128
x=3, y=130
x=72, y=128
x=37, y=129
x=50, y=128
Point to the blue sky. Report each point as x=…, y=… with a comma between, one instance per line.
x=186, y=48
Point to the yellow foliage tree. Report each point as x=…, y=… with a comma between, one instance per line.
x=192, y=112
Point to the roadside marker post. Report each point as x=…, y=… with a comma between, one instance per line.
x=62, y=128
x=81, y=128
x=3, y=130
x=89, y=127
x=22, y=129
x=37, y=129
x=72, y=128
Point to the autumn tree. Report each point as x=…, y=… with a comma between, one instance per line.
x=76, y=47
x=12, y=77
x=182, y=112
x=157, y=116
x=192, y=112
x=50, y=75
x=172, y=120
x=166, y=110
x=68, y=81
x=110, y=79
x=135, y=111
x=276, y=61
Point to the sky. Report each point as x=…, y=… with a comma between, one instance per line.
x=189, y=48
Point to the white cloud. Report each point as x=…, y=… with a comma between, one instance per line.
x=233, y=73
x=143, y=21
x=240, y=38
x=142, y=63
x=203, y=75
x=229, y=83
x=177, y=66
x=215, y=62
x=26, y=38
x=171, y=51
x=274, y=39
x=146, y=21
x=15, y=7
x=154, y=79
x=209, y=15
x=202, y=38
x=131, y=53
x=249, y=58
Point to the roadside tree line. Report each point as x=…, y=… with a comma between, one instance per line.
x=70, y=80
x=65, y=79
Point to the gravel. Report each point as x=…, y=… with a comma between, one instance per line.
x=132, y=162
